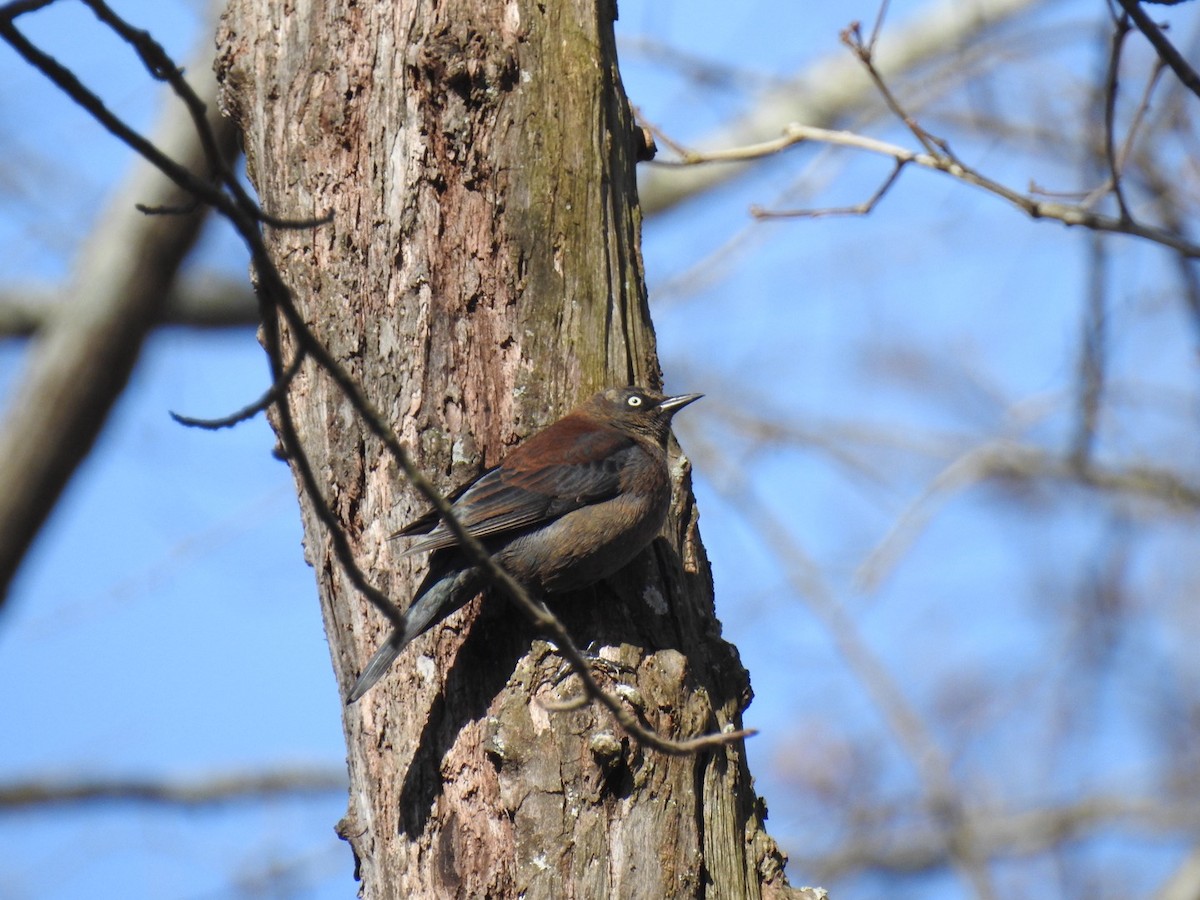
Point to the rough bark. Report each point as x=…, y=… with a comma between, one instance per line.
x=481, y=273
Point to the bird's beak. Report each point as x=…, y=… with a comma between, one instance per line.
x=674, y=404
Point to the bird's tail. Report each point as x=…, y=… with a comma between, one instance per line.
x=443, y=597
x=377, y=667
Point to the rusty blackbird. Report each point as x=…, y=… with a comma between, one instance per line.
x=569, y=506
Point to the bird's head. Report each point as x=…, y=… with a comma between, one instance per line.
x=639, y=410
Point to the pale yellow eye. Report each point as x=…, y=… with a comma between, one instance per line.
x=635, y=401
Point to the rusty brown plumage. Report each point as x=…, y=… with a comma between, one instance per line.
x=571, y=505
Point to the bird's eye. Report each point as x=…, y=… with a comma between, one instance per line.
x=635, y=401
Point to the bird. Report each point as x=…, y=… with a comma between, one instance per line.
x=568, y=507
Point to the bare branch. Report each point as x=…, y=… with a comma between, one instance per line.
x=938, y=157
x=1184, y=883
x=877, y=28
x=1092, y=355
x=249, y=412
x=1139, y=115
x=78, y=366
x=1003, y=459
x=1067, y=214
x=1165, y=49
x=859, y=209
x=192, y=302
x=181, y=174
x=1111, y=83
x=212, y=791
x=1002, y=833
x=830, y=89
x=852, y=38
x=697, y=69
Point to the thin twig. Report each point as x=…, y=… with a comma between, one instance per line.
x=1068, y=214
x=1166, y=200
x=860, y=209
x=1121, y=156
x=1165, y=49
x=1139, y=114
x=1121, y=28
x=686, y=156
x=160, y=66
x=1092, y=355
x=1005, y=833
x=937, y=157
x=1004, y=459
x=852, y=38
x=232, y=788
x=272, y=395
x=877, y=28
x=185, y=209
x=829, y=89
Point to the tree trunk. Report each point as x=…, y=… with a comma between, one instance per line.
x=481, y=273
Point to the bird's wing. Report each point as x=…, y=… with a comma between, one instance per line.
x=538, y=482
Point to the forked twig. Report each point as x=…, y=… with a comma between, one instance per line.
x=1167, y=51
x=937, y=156
x=273, y=394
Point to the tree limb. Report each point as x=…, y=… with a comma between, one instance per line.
x=1001, y=833
x=212, y=791
x=198, y=301
x=828, y=90
x=81, y=363
x=1167, y=51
